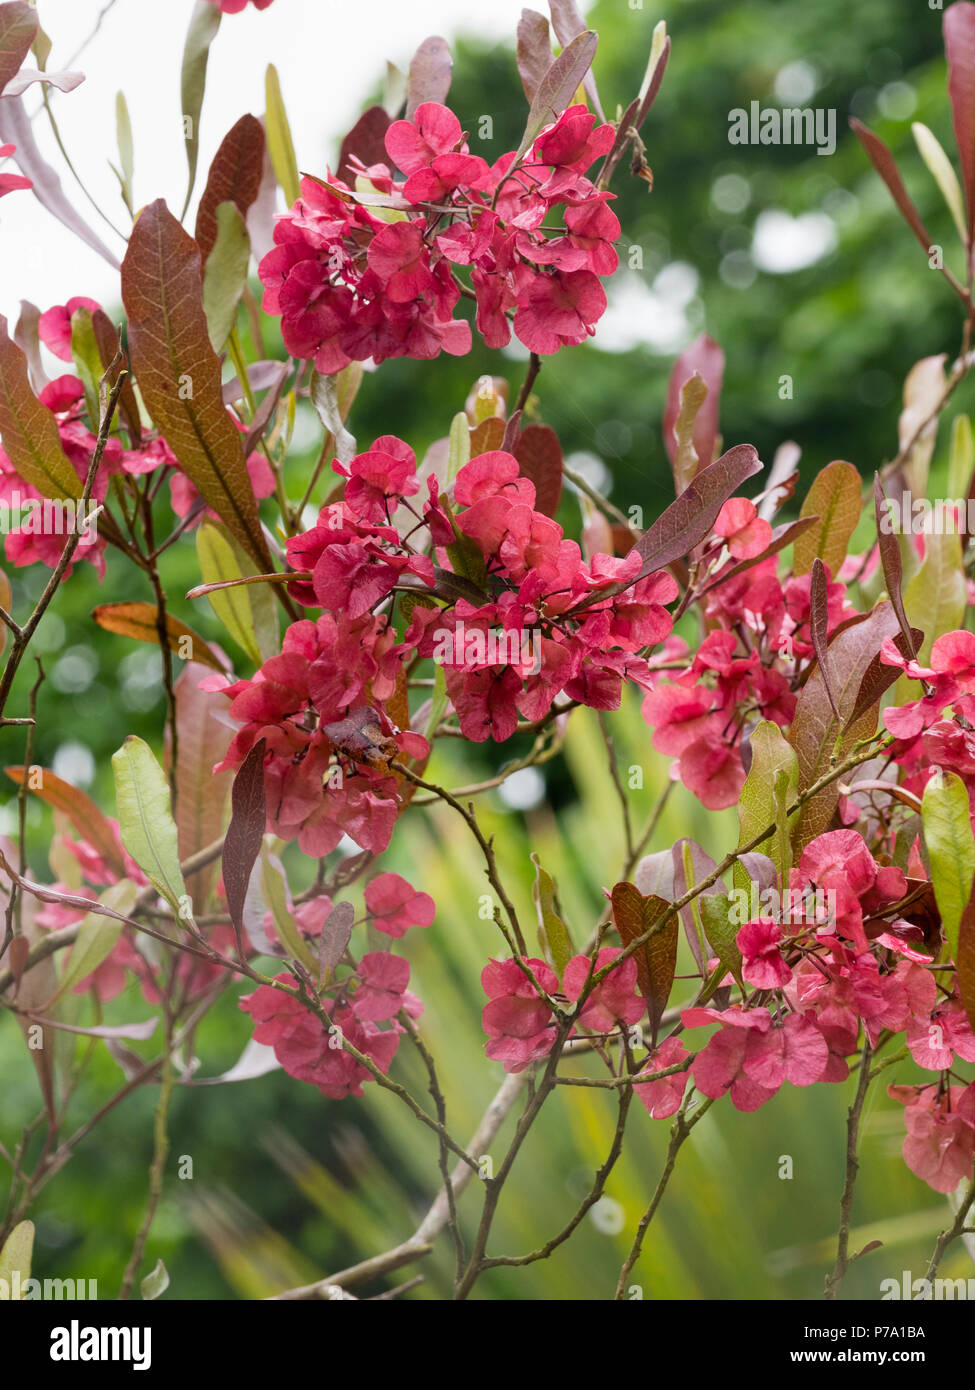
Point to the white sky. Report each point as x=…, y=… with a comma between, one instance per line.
x=329, y=54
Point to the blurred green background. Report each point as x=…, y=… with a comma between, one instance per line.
x=798, y=265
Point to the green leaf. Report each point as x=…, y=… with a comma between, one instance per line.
x=247, y=612
x=204, y=23
x=438, y=703
x=721, y=931
x=553, y=935
x=146, y=819
x=126, y=151
x=943, y=173
x=275, y=891
x=459, y=450
x=87, y=360
x=771, y=756
x=961, y=461
x=96, y=936
x=156, y=1282
x=835, y=499
x=947, y=824
x=16, y=1254
x=279, y=143
x=225, y=275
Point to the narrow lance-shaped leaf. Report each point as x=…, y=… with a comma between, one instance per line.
x=266, y=412
x=234, y=177
x=568, y=23
x=202, y=794
x=553, y=936
x=558, y=86
x=936, y=597
x=819, y=626
x=29, y=430
x=179, y=373
x=16, y=129
x=721, y=931
x=690, y=518
x=204, y=24
x=534, y=51
x=429, y=78
x=245, y=833
x=917, y=424
x=656, y=960
x=961, y=461
x=685, y=461
x=883, y=161
x=225, y=275
x=97, y=934
x=959, y=36
x=28, y=339
x=86, y=359
x=459, y=446
x=146, y=820
x=327, y=396
x=279, y=142
x=704, y=359
x=834, y=498
x=782, y=478
x=107, y=338
x=941, y=170
x=879, y=677
x=394, y=90
x=946, y=818
x=275, y=889
x=890, y=559
x=126, y=152
x=140, y=621
x=85, y=815
x=247, y=612
x=654, y=75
